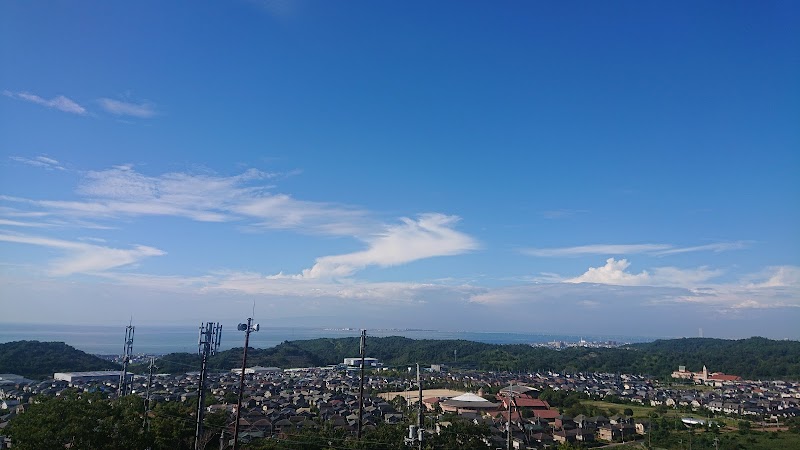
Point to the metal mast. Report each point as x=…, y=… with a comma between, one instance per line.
x=363, y=348
x=420, y=419
x=210, y=335
x=417, y=432
x=510, y=398
x=147, y=403
x=247, y=328
x=126, y=358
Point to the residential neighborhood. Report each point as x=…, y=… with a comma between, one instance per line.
x=278, y=402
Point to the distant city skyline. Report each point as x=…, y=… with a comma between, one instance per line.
x=599, y=169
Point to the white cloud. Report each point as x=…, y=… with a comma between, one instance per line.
x=716, y=247
x=142, y=110
x=614, y=272
x=17, y=223
x=39, y=161
x=83, y=257
x=630, y=249
x=60, y=102
x=429, y=236
x=779, y=276
x=122, y=191
x=597, y=249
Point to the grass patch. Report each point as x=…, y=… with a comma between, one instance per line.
x=639, y=411
x=643, y=412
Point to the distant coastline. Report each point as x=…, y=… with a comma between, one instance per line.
x=162, y=339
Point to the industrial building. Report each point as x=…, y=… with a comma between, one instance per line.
x=356, y=362
x=82, y=377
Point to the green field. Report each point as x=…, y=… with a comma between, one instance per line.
x=643, y=412
x=728, y=439
x=638, y=411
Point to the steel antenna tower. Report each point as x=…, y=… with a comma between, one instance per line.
x=210, y=335
x=126, y=358
x=247, y=328
x=363, y=348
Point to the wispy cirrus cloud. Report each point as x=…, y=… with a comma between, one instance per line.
x=430, y=235
x=630, y=249
x=141, y=110
x=59, y=102
x=122, y=191
x=19, y=223
x=39, y=161
x=82, y=257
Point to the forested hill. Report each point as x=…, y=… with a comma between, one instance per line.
x=749, y=358
x=752, y=358
x=39, y=360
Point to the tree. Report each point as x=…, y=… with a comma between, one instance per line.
x=87, y=423
x=460, y=435
x=744, y=427
x=569, y=446
x=172, y=426
x=628, y=412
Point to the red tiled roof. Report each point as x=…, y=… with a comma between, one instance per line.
x=723, y=377
x=546, y=413
x=531, y=403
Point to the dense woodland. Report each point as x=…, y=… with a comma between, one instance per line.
x=39, y=360
x=753, y=358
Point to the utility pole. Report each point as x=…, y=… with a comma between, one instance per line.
x=147, y=400
x=508, y=422
x=247, y=328
x=126, y=358
x=509, y=399
x=363, y=348
x=420, y=419
x=210, y=335
x=416, y=433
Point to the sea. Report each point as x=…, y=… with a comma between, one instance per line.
x=163, y=339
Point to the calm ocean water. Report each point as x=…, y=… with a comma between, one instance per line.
x=183, y=338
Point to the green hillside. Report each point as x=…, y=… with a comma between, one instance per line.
x=39, y=360
x=749, y=358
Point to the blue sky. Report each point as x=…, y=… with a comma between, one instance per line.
x=562, y=167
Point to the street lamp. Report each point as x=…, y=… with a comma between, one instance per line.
x=247, y=328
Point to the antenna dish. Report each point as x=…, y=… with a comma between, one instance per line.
x=242, y=327
x=258, y=327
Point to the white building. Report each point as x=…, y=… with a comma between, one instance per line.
x=97, y=375
x=356, y=362
x=258, y=370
